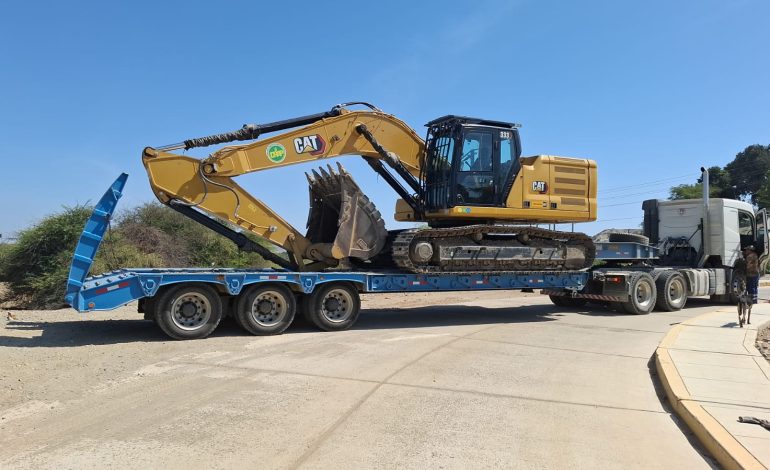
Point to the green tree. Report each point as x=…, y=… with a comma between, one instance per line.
x=36, y=266
x=762, y=198
x=720, y=183
x=692, y=191
x=749, y=170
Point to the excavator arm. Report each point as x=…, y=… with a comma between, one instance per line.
x=204, y=188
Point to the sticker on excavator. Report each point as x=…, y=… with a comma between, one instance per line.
x=276, y=153
x=312, y=144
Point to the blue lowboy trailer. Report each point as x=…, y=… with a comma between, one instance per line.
x=188, y=303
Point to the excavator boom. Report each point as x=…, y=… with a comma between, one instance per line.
x=189, y=184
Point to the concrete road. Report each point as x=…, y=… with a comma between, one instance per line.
x=495, y=382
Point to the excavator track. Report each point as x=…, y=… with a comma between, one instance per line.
x=493, y=249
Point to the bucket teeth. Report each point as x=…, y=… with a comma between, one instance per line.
x=341, y=215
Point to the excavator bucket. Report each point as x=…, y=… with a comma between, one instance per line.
x=341, y=215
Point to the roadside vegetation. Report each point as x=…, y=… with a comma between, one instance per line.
x=34, y=269
x=746, y=177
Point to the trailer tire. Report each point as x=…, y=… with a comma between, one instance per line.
x=189, y=311
x=558, y=300
x=569, y=302
x=643, y=294
x=332, y=306
x=628, y=237
x=265, y=309
x=672, y=291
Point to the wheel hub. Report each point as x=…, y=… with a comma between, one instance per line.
x=337, y=306
x=188, y=309
x=264, y=307
x=268, y=308
x=332, y=304
x=191, y=311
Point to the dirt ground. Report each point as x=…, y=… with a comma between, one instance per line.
x=51, y=356
x=763, y=340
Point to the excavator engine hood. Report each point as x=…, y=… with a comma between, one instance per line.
x=342, y=216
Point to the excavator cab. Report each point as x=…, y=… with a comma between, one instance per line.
x=469, y=162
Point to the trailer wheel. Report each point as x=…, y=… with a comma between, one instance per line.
x=266, y=309
x=672, y=291
x=628, y=237
x=642, y=294
x=558, y=300
x=333, y=306
x=188, y=311
x=564, y=301
x=576, y=302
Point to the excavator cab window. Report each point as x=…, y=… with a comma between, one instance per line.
x=475, y=180
x=470, y=162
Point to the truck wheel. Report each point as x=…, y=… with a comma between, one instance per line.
x=266, y=309
x=642, y=294
x=672, y=291
x=188, y=311
x=576, y=302
x=628, y=237
x=333, y=306
x=558, y=300
x=564, y=301
x=737, y=281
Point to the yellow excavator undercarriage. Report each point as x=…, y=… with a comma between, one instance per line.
x=467, y=181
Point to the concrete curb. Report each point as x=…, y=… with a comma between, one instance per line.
x=714, y=437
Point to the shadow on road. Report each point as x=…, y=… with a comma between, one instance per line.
x=57, y=334
x=62, y=334
x=453, y=315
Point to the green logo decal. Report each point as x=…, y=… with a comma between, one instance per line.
x=275, y=152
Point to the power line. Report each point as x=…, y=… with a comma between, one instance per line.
x=696, y=176
x=639, y=193
x=622, y=204
x=619, y=218
x=663, y=187
x=647, y=183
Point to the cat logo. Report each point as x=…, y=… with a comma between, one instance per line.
x=539, y=187
x=312, y=144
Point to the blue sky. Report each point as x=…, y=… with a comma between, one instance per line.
x=650, y=90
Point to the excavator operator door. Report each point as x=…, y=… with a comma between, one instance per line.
x=470, y=162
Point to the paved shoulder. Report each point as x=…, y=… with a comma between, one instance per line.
x=713, y=373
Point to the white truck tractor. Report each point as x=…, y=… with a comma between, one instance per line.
x=690, y=248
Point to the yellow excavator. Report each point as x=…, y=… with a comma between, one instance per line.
x=467, y=181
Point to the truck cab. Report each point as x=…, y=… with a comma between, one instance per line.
x=692, y=234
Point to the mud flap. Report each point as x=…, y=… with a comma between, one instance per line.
x=342, y=216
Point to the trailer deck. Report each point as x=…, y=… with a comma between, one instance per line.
x=111, y=290
x=180, y=297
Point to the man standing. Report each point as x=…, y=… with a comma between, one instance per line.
x=752, y=272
